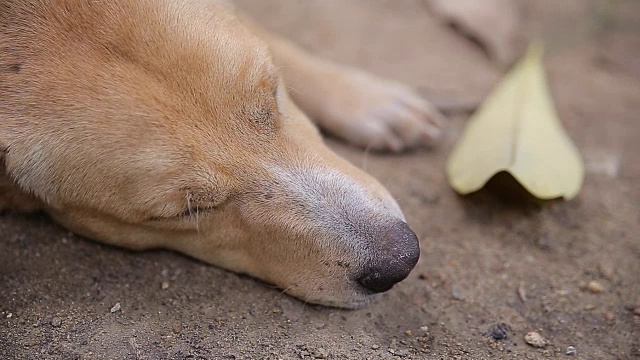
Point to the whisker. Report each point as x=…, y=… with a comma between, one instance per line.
x=291, y=89
x=365, y=156
x=196, y=214
x=302, y=310
x=287, y=289
x=198, y=222
x=189, y=203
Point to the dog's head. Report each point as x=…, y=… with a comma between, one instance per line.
x=145, y=124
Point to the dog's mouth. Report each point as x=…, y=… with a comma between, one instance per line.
x=338, y=284
x=358, y=297
x=360, y=300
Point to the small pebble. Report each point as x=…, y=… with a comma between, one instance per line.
x=499, y=331
x=457, y=292
x=401, y=353
x=636, y=311
x=606, y=270
x=56, y=322
x=115, y=307
x=375, y=347
x=595, y=287
x=534, y=339
x=571, y=351
x=522, y=293
x=164, y=285
x=408, y=333
x=609, y=315
x=424, y=329
x=176, y=328
x=321, y=354
x=9, y=315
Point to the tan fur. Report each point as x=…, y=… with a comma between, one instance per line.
x=117, y=116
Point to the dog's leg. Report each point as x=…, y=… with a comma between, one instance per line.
x=357, y=106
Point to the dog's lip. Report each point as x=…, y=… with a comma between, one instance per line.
x=364, y=296
x=360, y=297
x=360, y=300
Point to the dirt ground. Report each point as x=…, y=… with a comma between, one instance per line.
x=489, y=265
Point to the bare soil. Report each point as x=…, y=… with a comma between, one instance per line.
x=491, y=266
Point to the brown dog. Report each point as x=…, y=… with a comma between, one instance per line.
x=167, y=123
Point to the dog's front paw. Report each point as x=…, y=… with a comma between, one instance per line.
x=378, y=114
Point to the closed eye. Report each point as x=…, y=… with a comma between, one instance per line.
x=187, y=214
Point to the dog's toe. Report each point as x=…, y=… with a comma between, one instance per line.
x=416, y=128
x=383, y=115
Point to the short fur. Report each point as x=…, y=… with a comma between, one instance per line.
x=167, y=123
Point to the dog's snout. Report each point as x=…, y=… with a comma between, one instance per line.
x=395, y=257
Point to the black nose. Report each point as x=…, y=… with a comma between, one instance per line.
x=395, y=255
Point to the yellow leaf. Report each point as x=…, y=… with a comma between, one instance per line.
x=517, y=130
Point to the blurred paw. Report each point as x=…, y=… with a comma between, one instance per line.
x=379, y=114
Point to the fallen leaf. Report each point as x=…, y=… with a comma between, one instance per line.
x=517, y=130
x=494, y=24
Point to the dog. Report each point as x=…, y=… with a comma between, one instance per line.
x=184, y=125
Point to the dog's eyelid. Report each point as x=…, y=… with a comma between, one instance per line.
x=195, y=211
x=185, y=214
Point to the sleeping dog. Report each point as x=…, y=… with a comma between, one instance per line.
x=169, y=124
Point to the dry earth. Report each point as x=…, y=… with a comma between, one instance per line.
x=486, y=260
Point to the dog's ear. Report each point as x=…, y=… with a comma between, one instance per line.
x=11, y=197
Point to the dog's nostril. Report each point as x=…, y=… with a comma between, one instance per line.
x=394, y=259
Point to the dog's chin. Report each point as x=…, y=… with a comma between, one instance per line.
x=352, y=299
x=354, y=303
